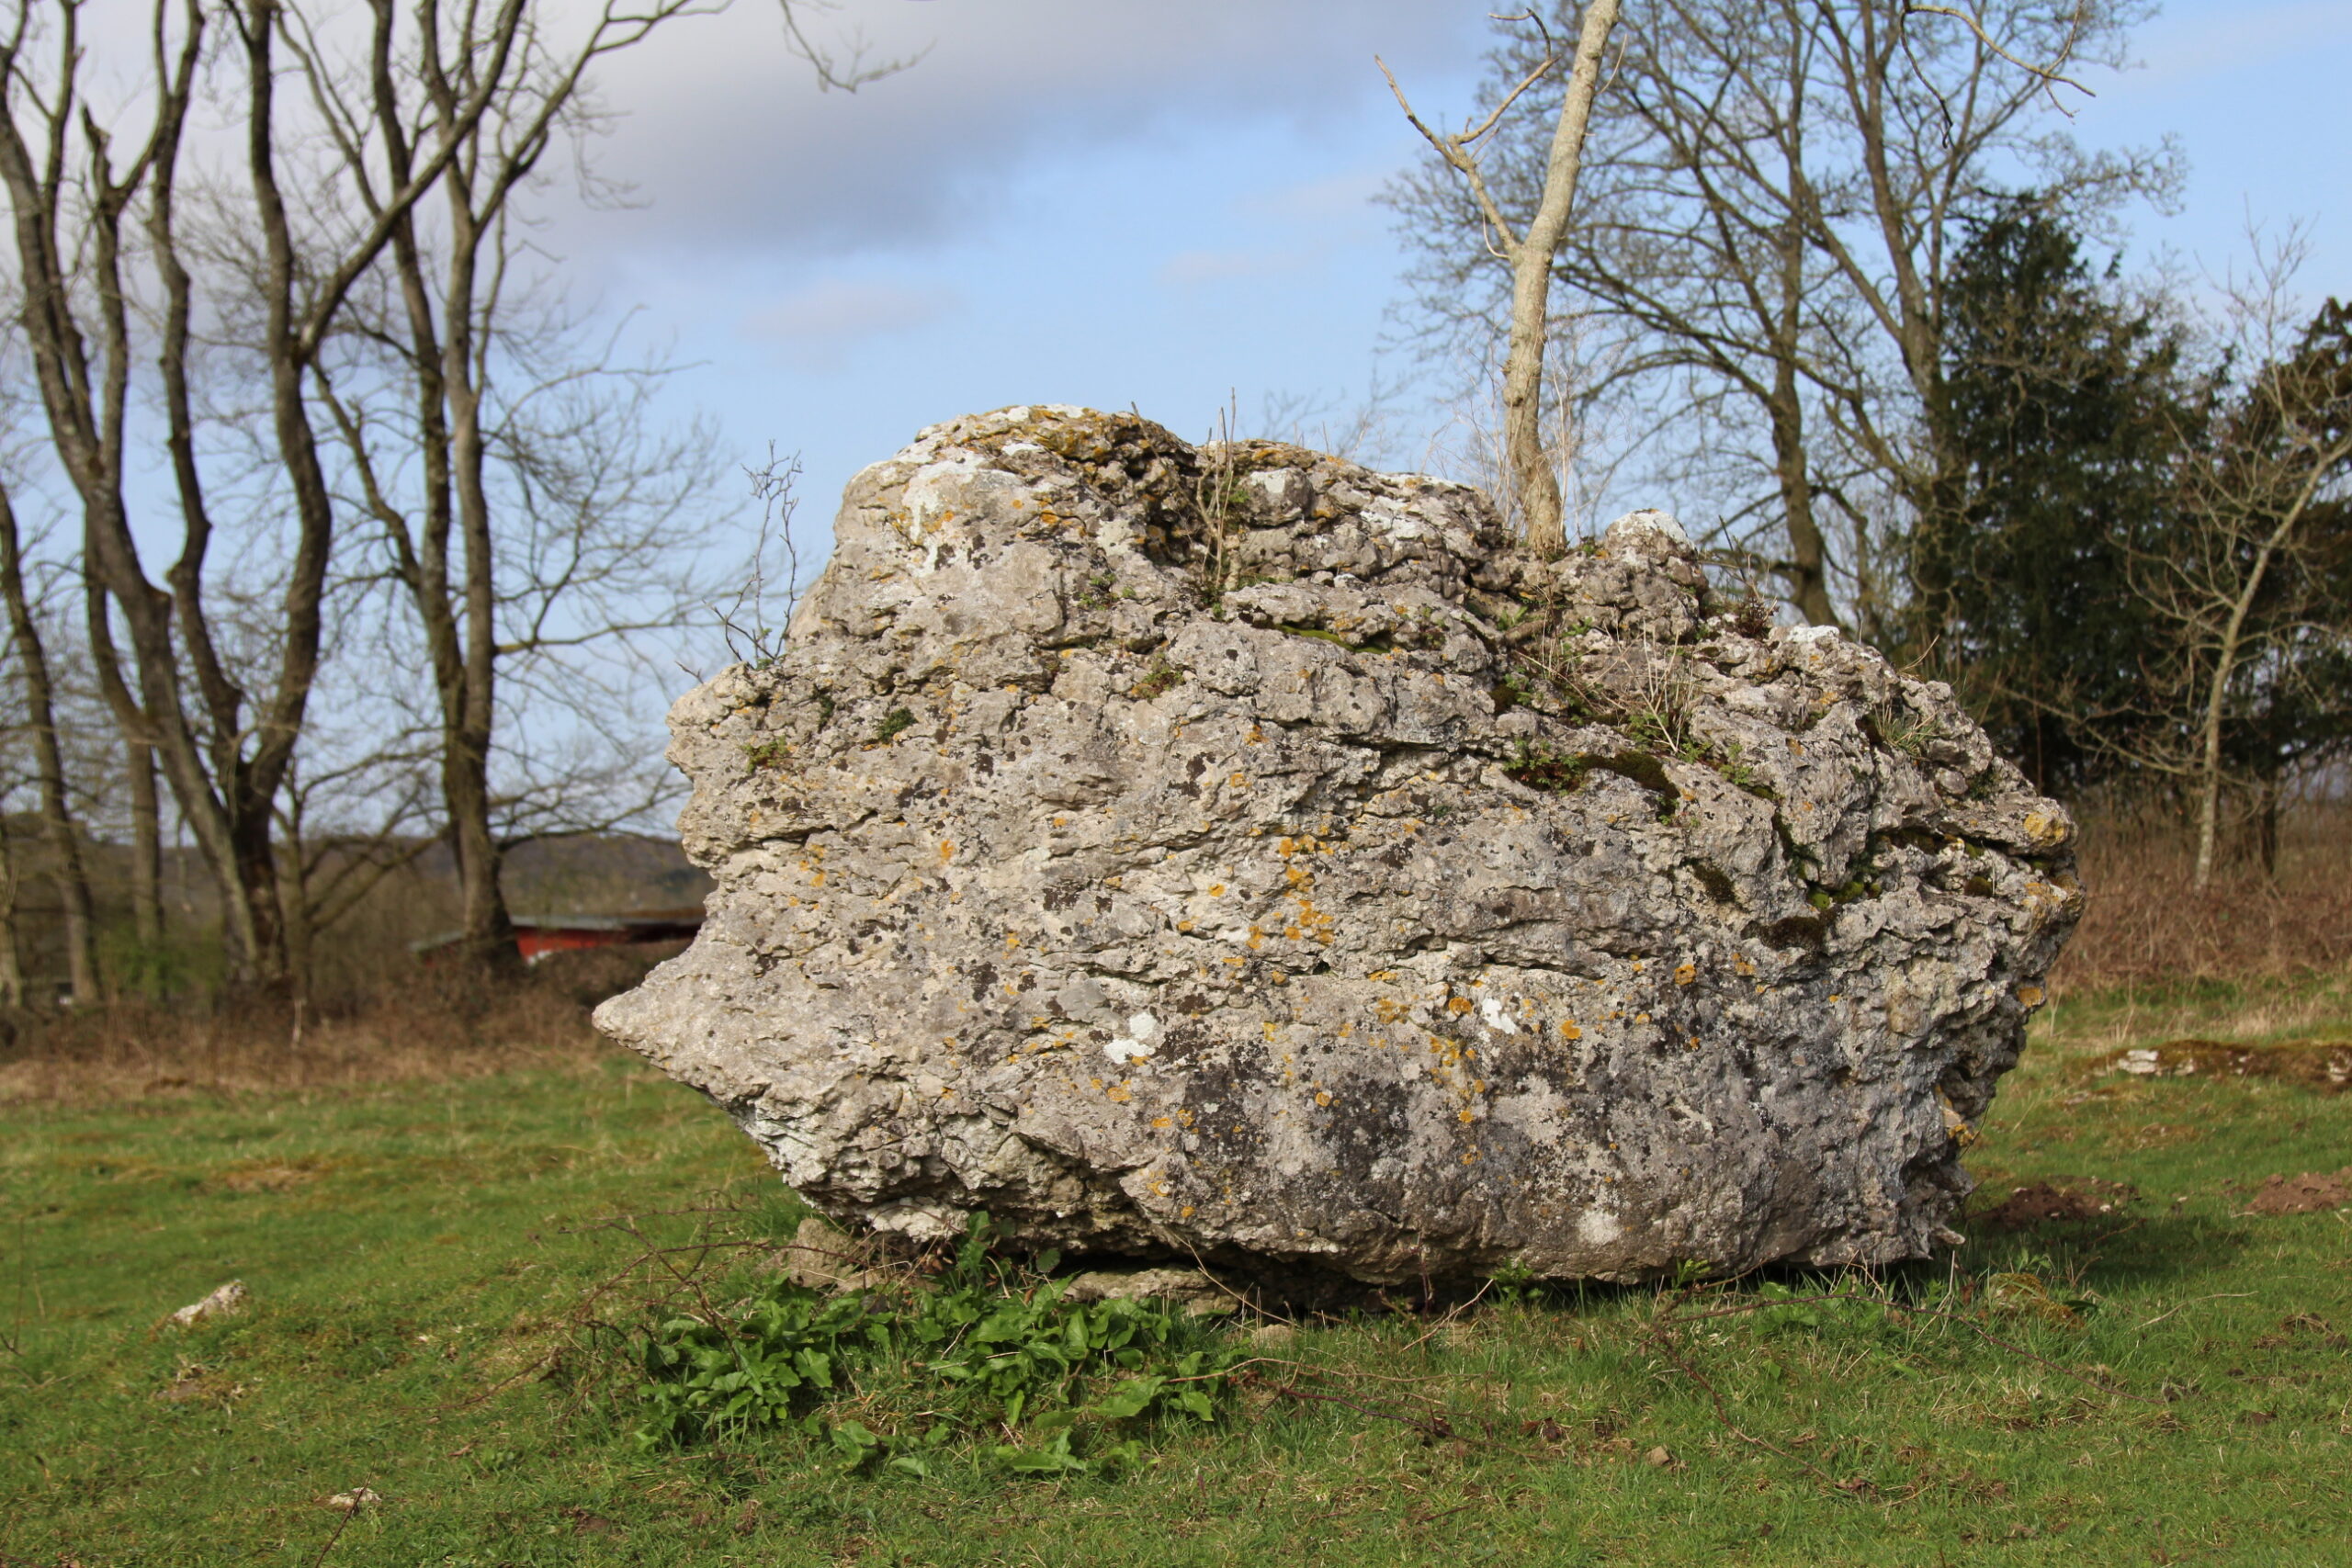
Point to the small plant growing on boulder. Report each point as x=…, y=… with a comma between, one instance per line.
x=1160, y=678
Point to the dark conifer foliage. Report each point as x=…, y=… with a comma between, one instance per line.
x=2071, y=405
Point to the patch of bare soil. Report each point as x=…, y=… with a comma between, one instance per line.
x=2310, y=1193
x=2324, y=1066
x=2060, y=1201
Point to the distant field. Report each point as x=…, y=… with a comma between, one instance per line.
x=2164, y=1380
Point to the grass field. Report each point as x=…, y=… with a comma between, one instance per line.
x=2166, y=1380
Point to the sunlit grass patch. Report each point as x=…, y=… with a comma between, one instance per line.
x=2127, y=1363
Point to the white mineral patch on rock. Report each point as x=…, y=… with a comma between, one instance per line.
x=1234, y=855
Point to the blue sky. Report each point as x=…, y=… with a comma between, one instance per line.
x=1131, y=201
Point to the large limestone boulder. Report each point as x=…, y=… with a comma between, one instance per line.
x=1232, y=853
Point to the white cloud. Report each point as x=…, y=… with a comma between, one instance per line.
x=817, y=326
x=738, y=150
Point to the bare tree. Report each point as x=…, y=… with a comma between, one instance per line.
x=58, y=827
x=444, y=324
x=531, y=509
x=207, y=292
x=1530, y=253
x=1771, y=202
x=96, y=212
x=2248, y=586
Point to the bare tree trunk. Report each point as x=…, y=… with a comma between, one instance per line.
x=1534, y=484
x=56, y=806
x=12, y=951
x=1808, y=568
x=146, y=853
x=294, y=912
x=2225, y=657
x=489, y=930
x=1530, y=319
x=2266, y=827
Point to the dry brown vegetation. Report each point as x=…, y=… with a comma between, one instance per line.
x=2148, y=923
x=423, y=1022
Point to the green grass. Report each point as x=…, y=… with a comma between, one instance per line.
x=414, y=1254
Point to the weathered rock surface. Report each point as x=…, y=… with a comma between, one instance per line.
x=1408, y=908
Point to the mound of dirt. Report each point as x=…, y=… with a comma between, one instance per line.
x=2324, y=1066
x=2066, y=1198
x=2309, y=1193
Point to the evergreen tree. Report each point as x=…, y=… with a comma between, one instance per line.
x=2069, y=406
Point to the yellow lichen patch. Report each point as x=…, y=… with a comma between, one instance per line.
x=2048, y=829
x=1216, y=889
x=1742, y=966
x=1183, y=925
x=946, y=853
x=1684, y=972
x=2032, y=996
x=1238, y=779
x=1569, y=1030
x=1957, y=1126
x=1458, y=1004
x=1323, y=1096
x=1120, y=1095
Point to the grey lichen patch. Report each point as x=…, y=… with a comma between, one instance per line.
x=1299, y=878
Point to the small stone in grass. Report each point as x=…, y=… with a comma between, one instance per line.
x=226, y=1302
